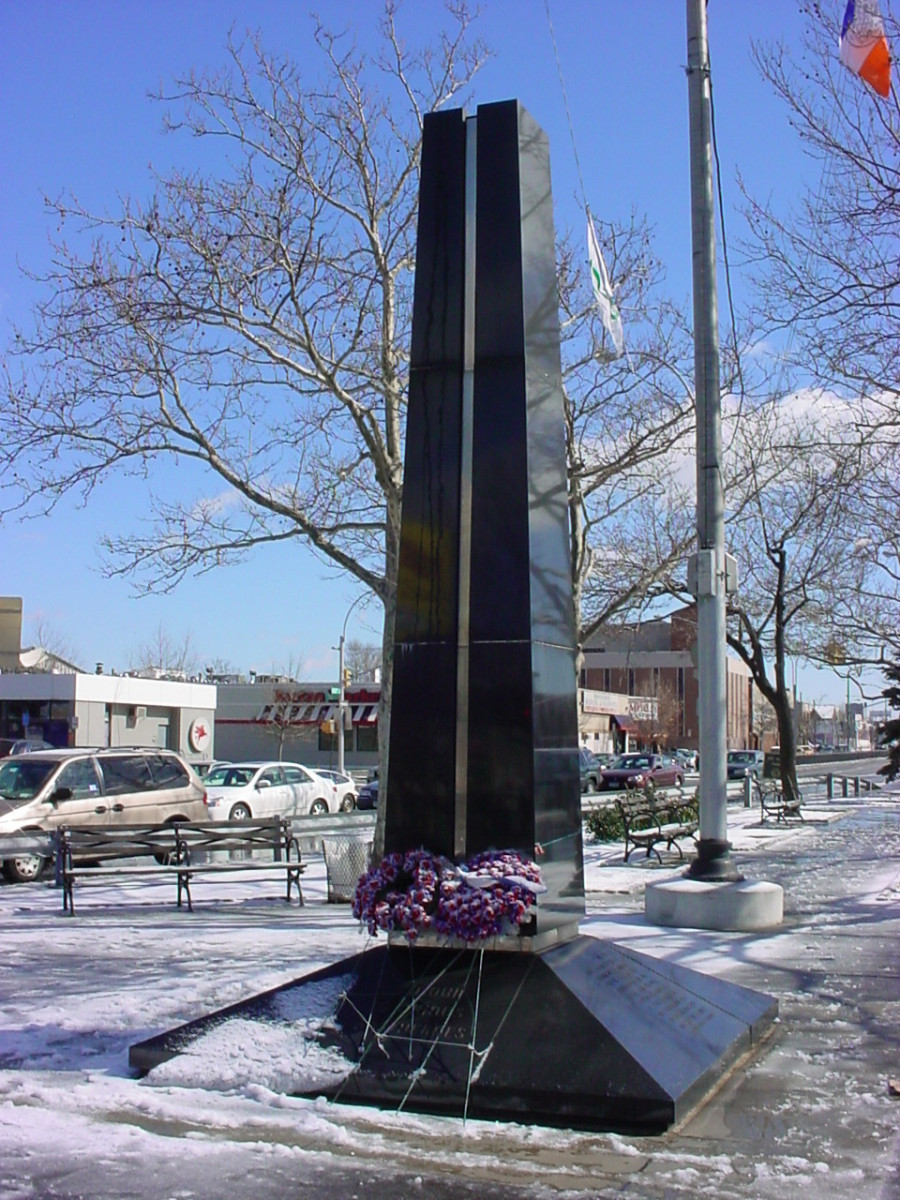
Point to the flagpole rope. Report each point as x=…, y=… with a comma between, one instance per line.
x=565, y=97
x=725, y=262
x=584, y=199
x=725, y=240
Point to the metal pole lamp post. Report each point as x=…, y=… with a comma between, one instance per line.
x=709, y=578
x=342, y=683
x=713, y=894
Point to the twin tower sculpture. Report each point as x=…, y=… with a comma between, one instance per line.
x=484, y=738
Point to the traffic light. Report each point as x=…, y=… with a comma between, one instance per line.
x=328, y=727
x=348, y=675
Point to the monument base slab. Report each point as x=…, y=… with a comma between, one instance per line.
x=698, y=904
x=586, y=1034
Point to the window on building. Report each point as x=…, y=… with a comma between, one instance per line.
x=367, y=738
x=631, y=691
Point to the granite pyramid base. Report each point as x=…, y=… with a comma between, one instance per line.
x=587, y=1034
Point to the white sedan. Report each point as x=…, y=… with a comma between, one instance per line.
x=246, y=790
x=346, y=786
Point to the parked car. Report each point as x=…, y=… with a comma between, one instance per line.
x=345, y=785
x=690, y=758
x=244, y=790
x=635, y=770
x=367, y=797
x=10, y=746
x=204, y=768
x=46, y=788
x=589, y=765
x=741, y=763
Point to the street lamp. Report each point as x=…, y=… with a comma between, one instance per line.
x=342, y=683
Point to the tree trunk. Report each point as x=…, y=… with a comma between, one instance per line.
x=784, y=715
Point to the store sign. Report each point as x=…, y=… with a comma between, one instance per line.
x=200, y=735
x=643, y=708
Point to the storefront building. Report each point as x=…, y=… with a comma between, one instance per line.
x=110, y=710
x=276, y=718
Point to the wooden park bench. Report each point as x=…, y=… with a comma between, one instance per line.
x=652, y=819
x=180, y=851
x=773, y=803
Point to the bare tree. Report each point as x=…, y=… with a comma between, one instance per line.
x=278, y=716
x=628, y=424
x=828, y=266
x=45, y=636
x=165, y=656
x=362, y=660
x=658, y=729
x=793, y=524
x=827, y=278
x=250, y=323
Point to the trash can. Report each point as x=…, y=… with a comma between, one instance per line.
x=346, y=858
x=772, y=764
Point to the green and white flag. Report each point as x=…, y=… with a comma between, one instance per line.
x=606, y=302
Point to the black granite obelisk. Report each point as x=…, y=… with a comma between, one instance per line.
x=546, y=1025
x=483, y=745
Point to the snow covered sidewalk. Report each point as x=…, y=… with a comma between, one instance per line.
x=811, y=1109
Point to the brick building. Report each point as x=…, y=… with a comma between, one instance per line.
x=657, y=659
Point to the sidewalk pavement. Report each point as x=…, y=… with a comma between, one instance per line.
x=813, y=1107
x=816, y=1106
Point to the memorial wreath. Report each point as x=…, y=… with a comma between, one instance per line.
x=417, y=892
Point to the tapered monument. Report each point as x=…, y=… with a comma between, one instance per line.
x=484, y=737
x=534, y=1022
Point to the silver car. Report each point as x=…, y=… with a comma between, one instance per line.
x=93, y=787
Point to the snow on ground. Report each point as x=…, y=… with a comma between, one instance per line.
x=77, y=992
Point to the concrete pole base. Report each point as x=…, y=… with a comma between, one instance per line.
x=697, y=904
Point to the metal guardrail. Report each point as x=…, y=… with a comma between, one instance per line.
x=333, y=824
x=858, y=783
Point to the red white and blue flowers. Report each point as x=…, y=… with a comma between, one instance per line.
x=418, y=892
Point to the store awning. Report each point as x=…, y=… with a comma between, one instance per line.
x=627, y=724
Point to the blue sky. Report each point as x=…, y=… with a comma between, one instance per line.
x=75, y=81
